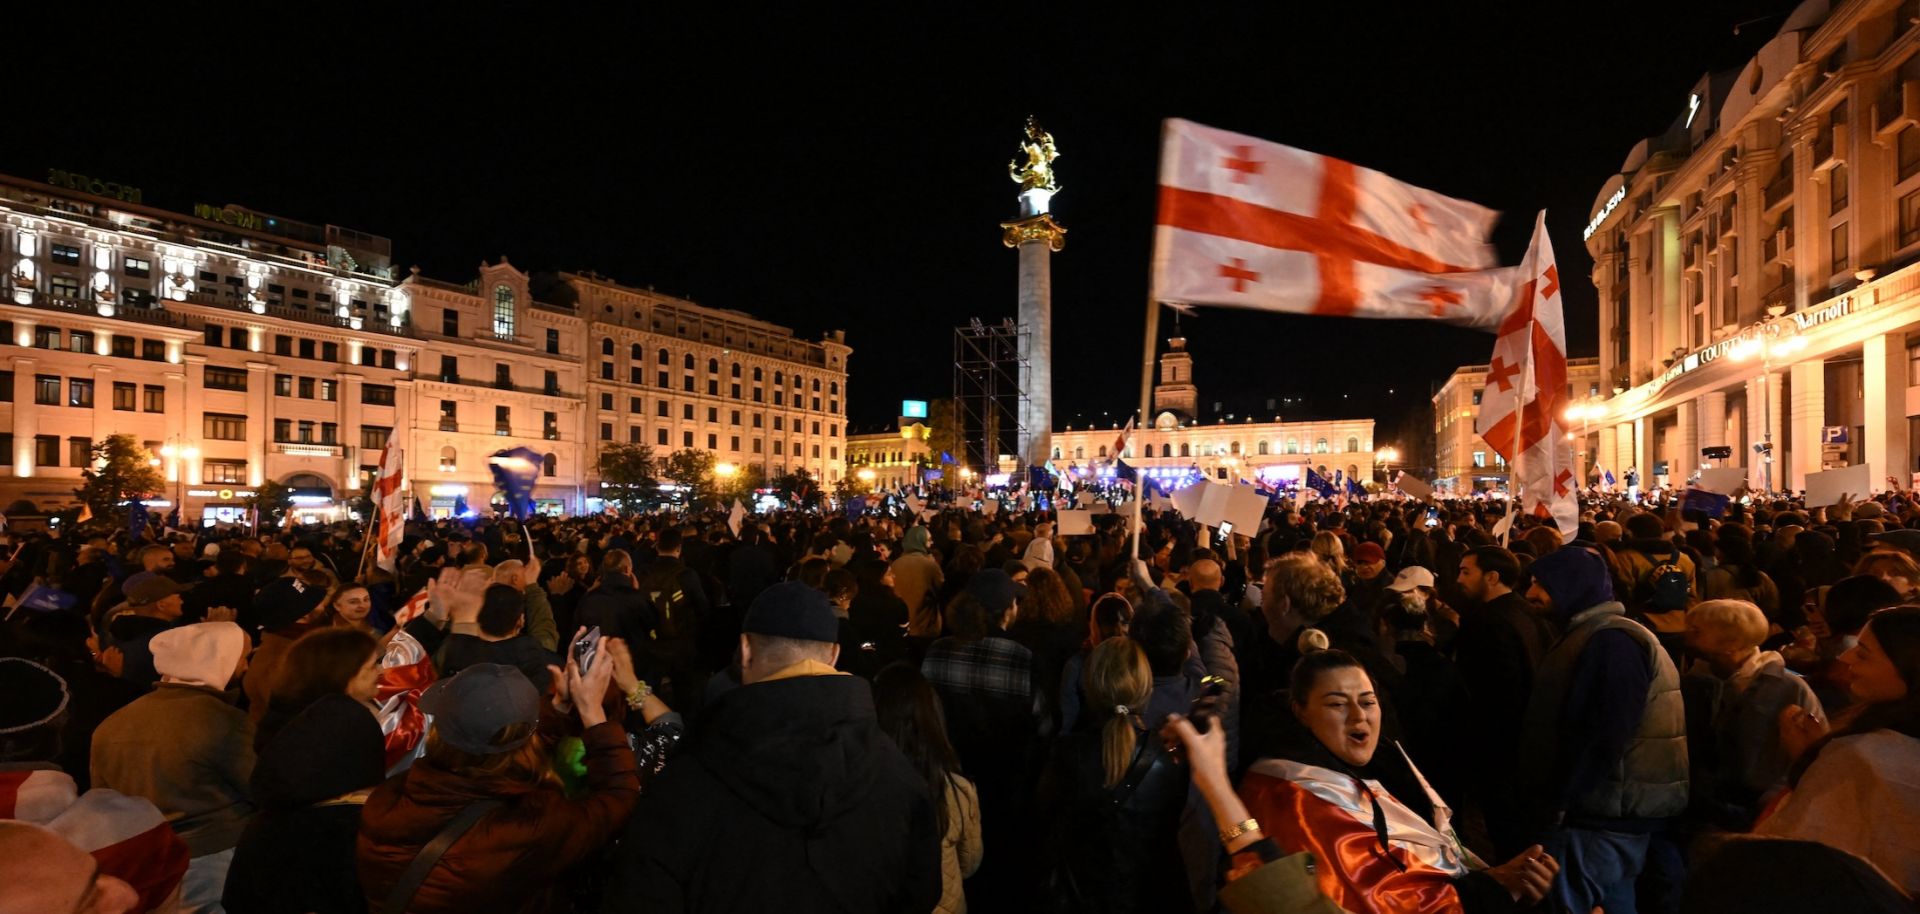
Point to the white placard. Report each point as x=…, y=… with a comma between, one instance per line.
x=1826, y=488
x=1414, y=487
x=1723, y=480
x=1075, y=523
x=1187, y=500
x=1245, y=507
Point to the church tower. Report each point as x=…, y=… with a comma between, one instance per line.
x=1175, y=393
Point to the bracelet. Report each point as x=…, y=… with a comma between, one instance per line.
x=638, y=696
x=1235, y=831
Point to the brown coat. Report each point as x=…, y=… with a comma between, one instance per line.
x=510, y=859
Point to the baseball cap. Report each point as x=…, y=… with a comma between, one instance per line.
x=1369, y=552
x=153, y=590
x=792, y=610
x=994, y=589
x=1410, y=578
x=479, y=702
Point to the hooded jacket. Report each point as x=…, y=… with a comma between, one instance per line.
x=916, y=575
x=788, y=798
x=182, y=746
x=296, y=855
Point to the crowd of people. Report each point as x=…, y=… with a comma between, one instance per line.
x=1369, y=707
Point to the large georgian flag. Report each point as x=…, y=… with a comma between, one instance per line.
x=1521, y=411
x=1248, y=223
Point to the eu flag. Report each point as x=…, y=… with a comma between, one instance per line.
x=1319, y=483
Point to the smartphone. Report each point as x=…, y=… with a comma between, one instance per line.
x=586, y=647
x=1226, y=530
x=1203, y=710
x=1433, y=517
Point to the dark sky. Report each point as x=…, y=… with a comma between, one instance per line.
x=842, y=173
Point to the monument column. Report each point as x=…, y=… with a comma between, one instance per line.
x=1036, y=236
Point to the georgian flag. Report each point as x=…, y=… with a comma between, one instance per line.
x=1521, y=412
x=391, y=505
x=127, y=836
x=1248, y=223
x=1120, y=444
x=405, y=673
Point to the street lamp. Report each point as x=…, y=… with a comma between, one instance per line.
x=866, y=475
x=178, y=455
x=1586, y=412
x=1385, y=458
x=1765, y=344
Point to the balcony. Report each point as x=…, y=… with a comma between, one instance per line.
x=503, y=430
x=156, y=316
x=1780, y=192
x=449, y=424
x=321, y=316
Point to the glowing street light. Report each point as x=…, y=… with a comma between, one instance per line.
x=725, y=470
x=1386, y=457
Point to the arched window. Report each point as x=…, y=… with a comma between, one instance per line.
x=1056, y=453
x=1263, y=448
x=606, y=345
x=687, y=362
x=1103, y=450
x=757, y=374
x=1353, y=445
x=1320, y=446
x=1166, y=450
x=779, y=378
x=502, y=311
x=713, y=366
x=1184, y=452
x=1234, y=448
x=736, y=369
x=834, y=388
x=549, y=465
x=637, y=354
x=449, y=459
x=816, y=385
x=1080, y=453
x=1293, y=445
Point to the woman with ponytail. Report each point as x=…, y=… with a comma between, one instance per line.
x=1331, y=825
x=1857, y=787
x=1115, y=795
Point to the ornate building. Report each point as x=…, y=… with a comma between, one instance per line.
x=1756, y=262
x=1178, y=446
x=1462, y=461
x=244, y=347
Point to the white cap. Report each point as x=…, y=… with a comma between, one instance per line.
x=1410, y=578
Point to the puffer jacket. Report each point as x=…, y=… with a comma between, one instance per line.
x=512, y=858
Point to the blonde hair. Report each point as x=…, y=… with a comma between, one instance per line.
x=1312, y=589
x=1329, y=550
x=1737, y=616
x=1118, y=682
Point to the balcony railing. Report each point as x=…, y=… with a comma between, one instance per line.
x=449, y=425
x=1779, y=192
x=46, y=302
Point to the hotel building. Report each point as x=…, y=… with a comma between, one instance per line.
x=1462, y=461
x=1758, y=263
x=243, y=347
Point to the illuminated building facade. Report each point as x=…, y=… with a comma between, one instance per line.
x=1462, y=460
x=1756, y=263
x=243, y=347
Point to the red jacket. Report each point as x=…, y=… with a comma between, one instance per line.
x=511, y=859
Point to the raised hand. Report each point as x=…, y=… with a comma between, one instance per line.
x=1528, y=876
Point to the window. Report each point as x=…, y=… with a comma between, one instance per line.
x=733, y=443
x=377, y=394
x=229, y=472
x=553, y=342
x=686, y=439
x=46, y=337
x=756, y=445
x=226, y=378
x=374, y=437
x=125, y=395
x=606, y=371
x=64, y=253
x=449, y=416
x=215, y=336
x=46, y=450
x=1837, y=190
x=1320, y=446
x=1840, y=248
x=549, y=465
x=551, y=383
x=713, y=414
x=329, y=433
x=306, y=349
x=136, y=268
x=661, y=437
x=635, y=406
x=736, y=392
x=503, y=376
x=779, y=447
x=79, y=452
x=660, y=408
x=502, y=311
x=46, y=389
x=153, y=350
x=606, y=402
x=1479, y=458
x=1353, y=445
x=686, y=411
x=223, y=427
x=687, y=362
x=757, y=419
x=153, y=399
x=633, y=434
x=1910, y=217
x=661, y=377
x=80, y=341
x=686, y=383
x=713, y=442
x=450, y=369
x=779, y=423
x=779, y=398
x=550, y=426
x=282, y=344
x=503, y=420
x=1293, y=445
x=122, y=347
x=449, y=459
x=450, y=322
x=636, y=375
x=306, y=431
x=306, y=388
x=63, y=286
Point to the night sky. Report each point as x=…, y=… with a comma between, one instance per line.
x=842, y=174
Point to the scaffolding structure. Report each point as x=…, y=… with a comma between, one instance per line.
x=988, y=363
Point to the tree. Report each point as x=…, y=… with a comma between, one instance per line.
x=946, y=433
x=798, y=488
x=273, y=501
x=626, y=476
x=692, y=469
x=745, y=479
x=122, y=471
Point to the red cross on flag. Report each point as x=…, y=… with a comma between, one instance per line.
x=392, y=506
x=1521, y=410
x=1251, y=224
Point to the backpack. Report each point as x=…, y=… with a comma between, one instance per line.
x=1665, y=587
x=661, y=589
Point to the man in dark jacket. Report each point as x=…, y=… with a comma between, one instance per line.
x=1501, y=640
x=672, y=590
x=789, y=797
x=615, y=603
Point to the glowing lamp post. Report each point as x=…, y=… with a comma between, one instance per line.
x=1385, y=458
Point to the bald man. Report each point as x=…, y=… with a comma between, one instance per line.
x=1220, y=645
x=43, y=872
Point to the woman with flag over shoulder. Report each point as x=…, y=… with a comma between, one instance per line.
x=1333, y=826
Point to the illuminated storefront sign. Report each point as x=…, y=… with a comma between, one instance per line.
x=1604, y=212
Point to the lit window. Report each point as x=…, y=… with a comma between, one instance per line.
x=502, y=311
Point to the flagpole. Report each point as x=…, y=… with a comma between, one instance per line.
x=1146, y=404
x=1520, y=419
